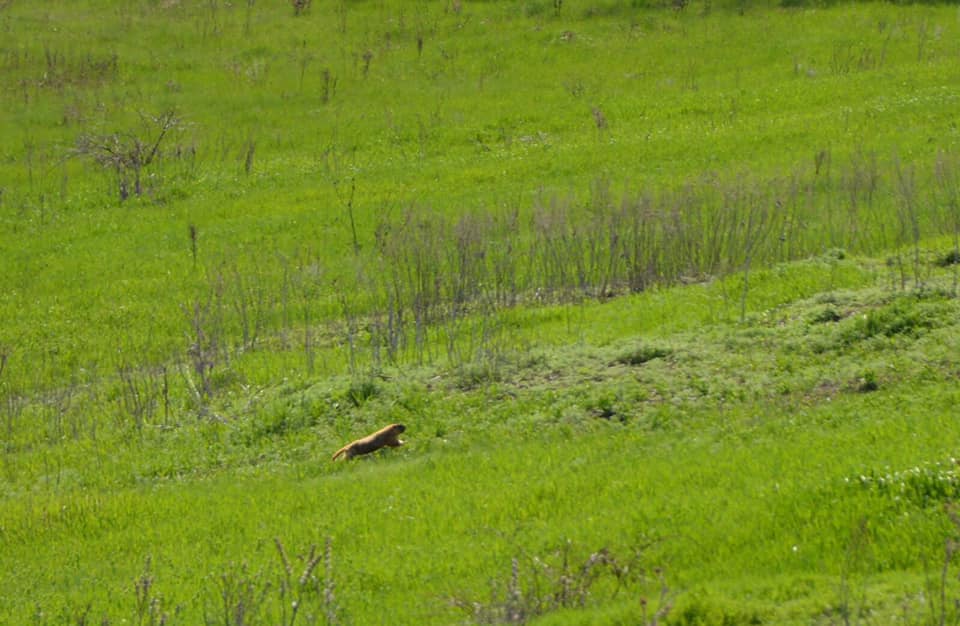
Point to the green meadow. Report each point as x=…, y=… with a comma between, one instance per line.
x=665, y=294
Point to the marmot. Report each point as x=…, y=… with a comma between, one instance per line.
x=386, y=436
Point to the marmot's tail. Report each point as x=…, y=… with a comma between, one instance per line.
x=338, y=453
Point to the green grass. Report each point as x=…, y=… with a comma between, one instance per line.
x=739, y=449
x=469, y=123
x=666, y=298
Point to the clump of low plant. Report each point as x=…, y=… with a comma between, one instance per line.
x=477, y=374
x=868, y=382
x=921, y=485
x=908, y=316
x=604, y=406
x=641, y=355
x=948, y=259
x=827, y=315
x=362, y=390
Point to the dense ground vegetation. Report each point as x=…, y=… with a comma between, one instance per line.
x=665, y=294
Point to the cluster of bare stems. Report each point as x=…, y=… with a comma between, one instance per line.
x=128, y=154
x=300, y=6
x=559, y=581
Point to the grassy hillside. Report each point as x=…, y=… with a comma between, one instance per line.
x=665, y=295
x=789, y=470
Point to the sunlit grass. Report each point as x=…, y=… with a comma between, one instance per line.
x=376, y=212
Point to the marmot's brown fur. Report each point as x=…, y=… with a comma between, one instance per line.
x=386, y=436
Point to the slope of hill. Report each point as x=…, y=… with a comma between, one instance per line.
x=666, y=297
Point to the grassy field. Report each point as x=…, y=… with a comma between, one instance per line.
x=666, y=296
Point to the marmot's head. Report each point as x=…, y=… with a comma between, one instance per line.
x=399, y=428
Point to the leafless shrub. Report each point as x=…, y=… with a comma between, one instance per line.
x=947, y=174
x=288, y=596
x=13, y=406
x=860, y=183
x=346, y=198
x=560, y=581
x=367, y=58
x=248, y=18
x=842, y=58
x=858, y=554
x=308, y=284
x=908, y=214
x=149, y=606
x=300, y=6
x=753, y=225
x=61, y=70
x=413, y=253
x=204, y=336
x=503, y=257
x=237, y=596
x=328, y=85
x=341, y=9
x=351, y=318
x=248, y=153
x=640, y=230
x=330, y=609
x=192, y=231
x=74, y=616
x=57, y=406
x=558, y=250
x=248, y=296
x=303, y=56
x=241, y=596
x=821, y=162
x=599, y=119
x=602, y=232
x=142, y=391
x=923, y=36
x=307, y=594
x=941, y=609
x=434, y=273
x=127, y=154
